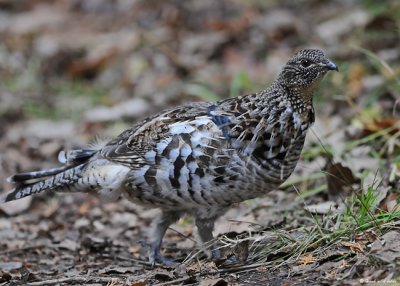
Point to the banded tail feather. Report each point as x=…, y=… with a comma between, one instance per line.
x=70, y=159
x=23, y=177
x=59, y=179
x=64, y=180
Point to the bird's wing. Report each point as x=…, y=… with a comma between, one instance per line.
x=156, y=132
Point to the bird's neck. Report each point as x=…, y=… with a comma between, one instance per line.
x=300, y=98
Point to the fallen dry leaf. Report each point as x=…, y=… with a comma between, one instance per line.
x=379, y=124
x=306, y=259
x=241, y=251
x=322, y=208
x=339, y=178
x=140, y=283
x=354, y=246
x=343, y=264
x=391, y=203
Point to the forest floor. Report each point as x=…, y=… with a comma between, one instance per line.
x=76, y=71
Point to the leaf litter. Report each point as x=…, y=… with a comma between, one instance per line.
x=95, y=67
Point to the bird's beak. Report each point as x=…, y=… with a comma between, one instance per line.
x=331, y=66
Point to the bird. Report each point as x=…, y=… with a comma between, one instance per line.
x=198, y=159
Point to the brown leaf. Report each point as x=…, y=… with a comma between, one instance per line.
x=339, y=178
x=139, y=283
x=391, y=203
x=379, y=124
x=241, y=251
x=89, y=67
x=354, y=246
x=306, y=259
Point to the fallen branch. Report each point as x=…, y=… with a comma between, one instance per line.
x=75, y=279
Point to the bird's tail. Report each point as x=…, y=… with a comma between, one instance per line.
x=79, y=174
x=58, y=179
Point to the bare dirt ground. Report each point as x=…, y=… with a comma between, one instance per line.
x=73, y=71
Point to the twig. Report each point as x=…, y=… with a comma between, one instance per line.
x=221, y=271
x=138, y=261
x=75, y=279
x=173, y=281
x=233, y=269
x=21, y=249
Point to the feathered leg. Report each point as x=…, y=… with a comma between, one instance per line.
x=205, y=225
x=160, y=226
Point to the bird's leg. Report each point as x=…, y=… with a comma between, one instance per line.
x=160, y=226
x=205, y=226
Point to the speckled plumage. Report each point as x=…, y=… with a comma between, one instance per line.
x=199, y=158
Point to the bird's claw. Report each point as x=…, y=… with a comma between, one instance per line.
x=155, y=255
x=158, y=258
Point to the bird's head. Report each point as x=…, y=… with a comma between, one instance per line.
x=305, y=70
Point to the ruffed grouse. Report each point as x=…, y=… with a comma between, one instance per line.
x=199, y=158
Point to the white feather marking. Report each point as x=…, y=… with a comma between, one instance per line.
x=163, y=144
x=139, y=174
x=251, y=146
x=173, y=154
x=180, y=128
x=192, y=166
x=296, y=120
x=200, y=138
x=150, y=156
x=196, y=139
x=186, y=151
x=202, y=120
x=196, y=187
x=110, y=179
x=197, y=153
x=206, y=182
x=168, y=166
x=183, y=179
x=62, y=158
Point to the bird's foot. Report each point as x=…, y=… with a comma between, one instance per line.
x=155, y=255
x=158, y=258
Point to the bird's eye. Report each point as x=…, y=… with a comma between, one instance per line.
x=305, y=63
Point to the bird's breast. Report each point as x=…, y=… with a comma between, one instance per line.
x=274, y=143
